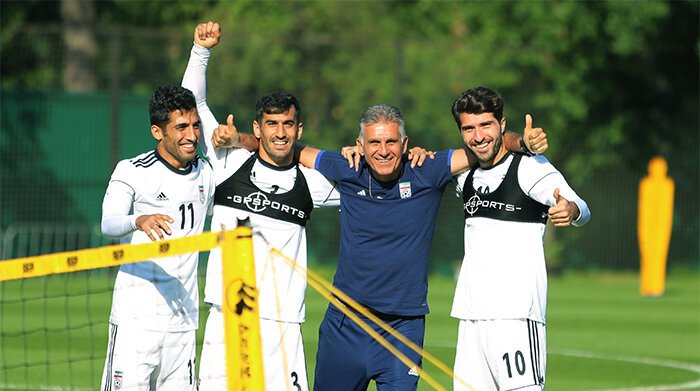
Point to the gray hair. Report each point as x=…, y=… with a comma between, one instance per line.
x=382, y=113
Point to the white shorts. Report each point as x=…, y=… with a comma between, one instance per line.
x=501, y=355
x=142, y=360
x=283, y=355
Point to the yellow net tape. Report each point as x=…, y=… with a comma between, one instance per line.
x=72, y=261
x=327, y=290
x=116, y=255
x=242, y=327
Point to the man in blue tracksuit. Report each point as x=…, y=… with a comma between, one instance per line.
x=388, y=211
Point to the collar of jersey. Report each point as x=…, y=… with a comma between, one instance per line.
x=385, y=184
x=184, y=171
x=498, y=163
x=272, y=166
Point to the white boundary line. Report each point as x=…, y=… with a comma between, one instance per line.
x=624, y=358
x=639, y=360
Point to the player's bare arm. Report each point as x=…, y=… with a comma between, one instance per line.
x=462, y=159
x=305, y=155
x=157, y=223
x=564, y=212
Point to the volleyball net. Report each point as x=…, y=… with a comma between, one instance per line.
x=54, y=312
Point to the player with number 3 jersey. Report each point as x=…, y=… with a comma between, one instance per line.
x=269, y=188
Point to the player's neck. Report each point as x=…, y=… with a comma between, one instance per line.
x=502, y=152
x=170, y=159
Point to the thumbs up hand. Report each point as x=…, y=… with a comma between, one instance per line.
x=564, y=212
x=226, y=135
x=535, y=138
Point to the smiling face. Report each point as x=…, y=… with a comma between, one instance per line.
x=177, y=141
x=277, y=134
x=382, y=147
x=483, y=135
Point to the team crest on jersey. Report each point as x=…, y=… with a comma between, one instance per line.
x=118, y=379
x=201, y=194
x=405, y=189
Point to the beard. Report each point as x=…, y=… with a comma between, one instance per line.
x=490, y=156
x=279, y=156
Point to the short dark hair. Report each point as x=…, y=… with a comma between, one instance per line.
x=277, y=102
x=167, y=99
x=477, y=101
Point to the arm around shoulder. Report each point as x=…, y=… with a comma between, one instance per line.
x=461, y=160
x=306, y=155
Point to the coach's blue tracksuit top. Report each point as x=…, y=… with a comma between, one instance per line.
x=386, y=230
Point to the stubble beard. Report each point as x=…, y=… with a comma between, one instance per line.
x=490, y=157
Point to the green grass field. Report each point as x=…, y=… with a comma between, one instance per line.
x=601, y=334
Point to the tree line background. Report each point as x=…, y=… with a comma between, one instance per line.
x=613, y=83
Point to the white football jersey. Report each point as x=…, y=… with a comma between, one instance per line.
x=159, y=294
x=281, y=288
x=503, y=273
x=281, y=284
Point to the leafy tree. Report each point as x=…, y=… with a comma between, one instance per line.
x=612, y=82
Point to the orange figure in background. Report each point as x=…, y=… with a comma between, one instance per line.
x=655, y=217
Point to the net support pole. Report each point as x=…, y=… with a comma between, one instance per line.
x=244, y=367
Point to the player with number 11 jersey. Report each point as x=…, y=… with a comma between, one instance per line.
x=161, y=194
